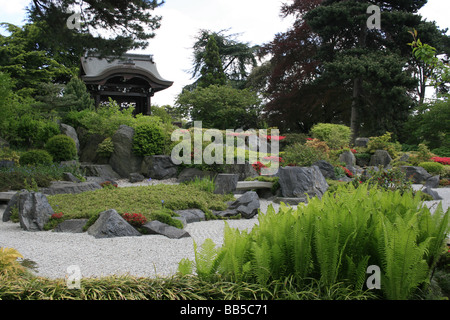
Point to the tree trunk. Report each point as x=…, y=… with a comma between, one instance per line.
x=357, y=90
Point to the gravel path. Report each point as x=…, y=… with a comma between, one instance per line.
x=148, y=256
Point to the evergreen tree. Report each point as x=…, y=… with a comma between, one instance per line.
x=212, y=70
x=331, y=68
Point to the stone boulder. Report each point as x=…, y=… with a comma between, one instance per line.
x=348, y=158
x=295, y=182
x=244, y=170
x=432, y=182
x=110, y=224
x=432, y=193
x=417, y=175
x=71, y=133
x=12, y=203
x=159, y=167
x=190, y=174
x=71, y=226
x=88, y=149
x=159, y=228
x=247, y=205
x=34, y=210
x=104, y=171
x=136, y=177
x=62, y=187
x=361, y=142
x=191, y=215
x=225, y=183
x=326, y=168
x=380, y=158
x=123, y=160
x=67, y=176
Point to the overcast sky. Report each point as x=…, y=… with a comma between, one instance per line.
x=256, y=20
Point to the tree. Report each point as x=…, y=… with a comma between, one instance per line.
x=212, y=72
x=236, y=57
x=129, y=24
x=331, y=68
x=221, y=107
x=27, y=62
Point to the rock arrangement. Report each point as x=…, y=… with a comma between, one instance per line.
x=34, y=212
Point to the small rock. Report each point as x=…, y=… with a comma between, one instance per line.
x=191, y=215
x=159, y=228
x=110, y=224
x=67, y=176
x=136, y=177
x=432, y=182
x=247, y=204
x=71, y=226
x=225, y=183
x=432, y=193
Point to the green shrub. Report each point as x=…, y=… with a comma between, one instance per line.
x=62, y=148
x=335, y=135
x=384, y=143
x=149, y=139
x=166, y=216
x=105, y=148
x=442, y=151
x=433, y=168
x=423, y=154
x=302, y=155
x=34, y=157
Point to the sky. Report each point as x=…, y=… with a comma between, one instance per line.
x=256, y=22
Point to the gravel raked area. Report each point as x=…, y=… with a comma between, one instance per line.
x=146, y=256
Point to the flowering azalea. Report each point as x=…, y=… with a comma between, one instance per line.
x=135, y=219
x=57, y=215
x=442, y=160
x=276, y=138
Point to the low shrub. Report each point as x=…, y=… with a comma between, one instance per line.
x=62, y=148
x=442, y=151
x=166, y=216
x=336, y=136
x=384, y=143
x=302, y=155
x=35, y=157
x=149, y=139
x=105, y=148
x=137, y=220
x=433, y=168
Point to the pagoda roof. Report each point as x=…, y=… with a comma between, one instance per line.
x=97, y=70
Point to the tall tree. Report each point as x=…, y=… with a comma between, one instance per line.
x=106, y=28
x=237, y=57
x=331, y=68
x=212, y=72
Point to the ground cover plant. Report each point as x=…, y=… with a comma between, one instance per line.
x=149, y=201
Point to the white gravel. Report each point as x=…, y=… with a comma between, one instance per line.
x=147, y=256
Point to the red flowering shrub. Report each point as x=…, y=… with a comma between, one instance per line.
x=347, y=172
x=442, y=160
x=135, y=219
x=57, y=215
x=258, y=166
x=108, y=184
x=274, y=158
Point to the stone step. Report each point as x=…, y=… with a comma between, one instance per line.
x=249, y=185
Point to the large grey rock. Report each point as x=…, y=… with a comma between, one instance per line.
x=159, y=228
x=136, y=177
x=159, y=167
x=225, y=213
x=190, y=174
x=71, y=226
x=110, y=224
x=247, y=204
x=89, y=147
x=326, y=168
x=123, y=160
x=34, y=210
x=105, y=171
x=295, y=182
x=348, y=158
x=416, y=174
x=225, y=183
x=191, y=215
x=432, y=182
x=361, y=142
x=68, y=176
x=380, y=158
x=244, y=170
x=71, y=133
x=62, y=187
x=432, y=193
x=12, y=204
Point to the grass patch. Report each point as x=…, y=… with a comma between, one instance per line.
x=143, y=199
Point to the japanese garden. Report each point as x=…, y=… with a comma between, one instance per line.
x=312, y=167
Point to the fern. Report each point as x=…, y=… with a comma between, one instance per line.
x=207, y=259
x=403, y=259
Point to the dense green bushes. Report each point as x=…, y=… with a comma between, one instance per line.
x=61, y=148
x=334, y=240
x=335, y=135
x=149, y=139
x=35, y=157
